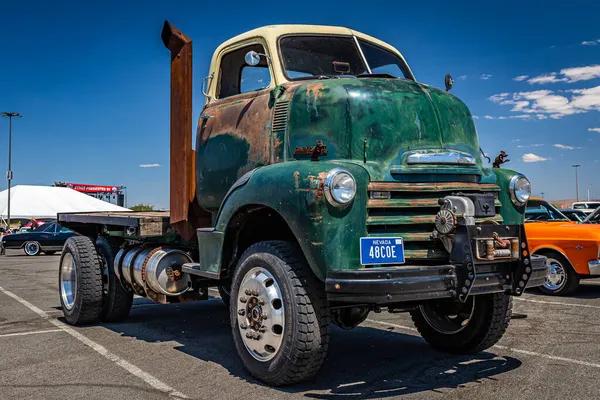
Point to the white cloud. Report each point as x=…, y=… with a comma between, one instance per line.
x=485, y=77
x=488, y=117
x=543, y=104
x=516, y=140
x=590, y=42
x=531, y=145
x=475, y=117
x=569, y=75
x=594, y=130
x=530, y=157
x=149, y=165
x=564, y=147
x=520, y=78
x=462, y=77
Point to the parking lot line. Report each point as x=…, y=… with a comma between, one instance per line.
x=30, y=333
x=132, y=369
x=558, y=303
x=506, y=348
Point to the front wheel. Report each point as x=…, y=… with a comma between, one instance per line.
x=32, y=248
x=279, y=314
x=463, y=328
x=562, y=278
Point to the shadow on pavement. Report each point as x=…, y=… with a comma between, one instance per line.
x=588, y=289
x=364, y=362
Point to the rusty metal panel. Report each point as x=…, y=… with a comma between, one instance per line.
x=431, y=186
x=182, y=174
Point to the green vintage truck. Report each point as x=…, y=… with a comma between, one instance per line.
x=326, y=183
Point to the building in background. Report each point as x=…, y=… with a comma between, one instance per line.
x=111, y=194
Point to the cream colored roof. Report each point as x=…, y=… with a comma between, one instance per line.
x=268, y=35
x=272, y=32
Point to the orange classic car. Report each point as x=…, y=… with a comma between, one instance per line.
x=573, y=249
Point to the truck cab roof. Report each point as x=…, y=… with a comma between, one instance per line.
x=268, y=36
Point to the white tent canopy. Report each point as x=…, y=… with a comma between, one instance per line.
x=46, y=201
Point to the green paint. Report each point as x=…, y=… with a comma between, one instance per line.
x=327, y=235
x=396, y=117
x=210, y=245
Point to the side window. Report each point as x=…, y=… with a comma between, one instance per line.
x=63, y=230
x=50, y=228
x=383, y=62
x=237, y=77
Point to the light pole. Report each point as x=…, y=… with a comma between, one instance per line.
x=9, y=174
x=542, y=195
x=576, y=180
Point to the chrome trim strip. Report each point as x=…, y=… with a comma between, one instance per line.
x=362, y=54
x=443, y=157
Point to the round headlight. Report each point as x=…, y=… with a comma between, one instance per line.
x=340, y=187
x=520, y=189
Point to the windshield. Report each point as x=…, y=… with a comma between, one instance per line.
x=543, y=211
x=585, y=206
x=593, y=218
x=306, y=57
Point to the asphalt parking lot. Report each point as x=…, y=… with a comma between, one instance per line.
x=186, y=351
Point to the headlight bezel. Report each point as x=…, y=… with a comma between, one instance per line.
x=329, y=189
x=512, y=190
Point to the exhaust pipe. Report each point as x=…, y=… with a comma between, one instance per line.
x=185, y=213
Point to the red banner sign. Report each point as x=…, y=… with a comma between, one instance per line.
x=92, y=188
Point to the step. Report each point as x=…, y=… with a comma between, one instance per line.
x=194, y=269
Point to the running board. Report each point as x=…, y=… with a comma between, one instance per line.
x=194, y=269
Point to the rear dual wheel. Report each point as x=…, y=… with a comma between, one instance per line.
x=89, y=290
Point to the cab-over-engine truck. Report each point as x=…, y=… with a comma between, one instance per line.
x=326, y=183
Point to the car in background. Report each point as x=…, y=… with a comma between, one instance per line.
x=47, y=238
x=573, y=214
x=593, y=218
x=572, y=249
x=587, y=206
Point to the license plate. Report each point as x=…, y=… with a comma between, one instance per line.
x=381, y=250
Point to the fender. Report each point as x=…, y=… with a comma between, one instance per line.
x=328, y=235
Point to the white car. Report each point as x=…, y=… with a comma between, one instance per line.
x=586, y=206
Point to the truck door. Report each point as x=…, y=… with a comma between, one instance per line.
x=233, y=135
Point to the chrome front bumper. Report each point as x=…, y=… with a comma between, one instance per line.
x=594, y=267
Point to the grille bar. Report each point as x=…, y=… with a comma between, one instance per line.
x=411, y=210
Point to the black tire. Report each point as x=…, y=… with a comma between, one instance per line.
x=305, y=337
x=489, y=320
x=32, y=248
x=87, y=300
x=50, y=253
x=571, y=278
x=117, y=301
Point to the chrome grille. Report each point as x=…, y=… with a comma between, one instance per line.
x=410, y=213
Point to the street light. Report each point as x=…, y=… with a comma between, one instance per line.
x=542, y=195
x=576, y=180
x=9, y=174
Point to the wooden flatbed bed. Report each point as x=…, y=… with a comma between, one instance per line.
x=144, y=223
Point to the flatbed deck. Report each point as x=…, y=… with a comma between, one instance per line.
x=145, y=223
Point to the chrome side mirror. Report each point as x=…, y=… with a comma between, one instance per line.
x=252, y=58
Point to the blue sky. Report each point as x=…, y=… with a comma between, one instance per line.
x=92, y=81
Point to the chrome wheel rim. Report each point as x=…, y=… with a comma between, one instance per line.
x=557, y=276
x=32, y=248
x=448, y=317
x=261, y=314
x=68, y=281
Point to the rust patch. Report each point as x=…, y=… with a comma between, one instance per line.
x=316, y=89
x=297, y=179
